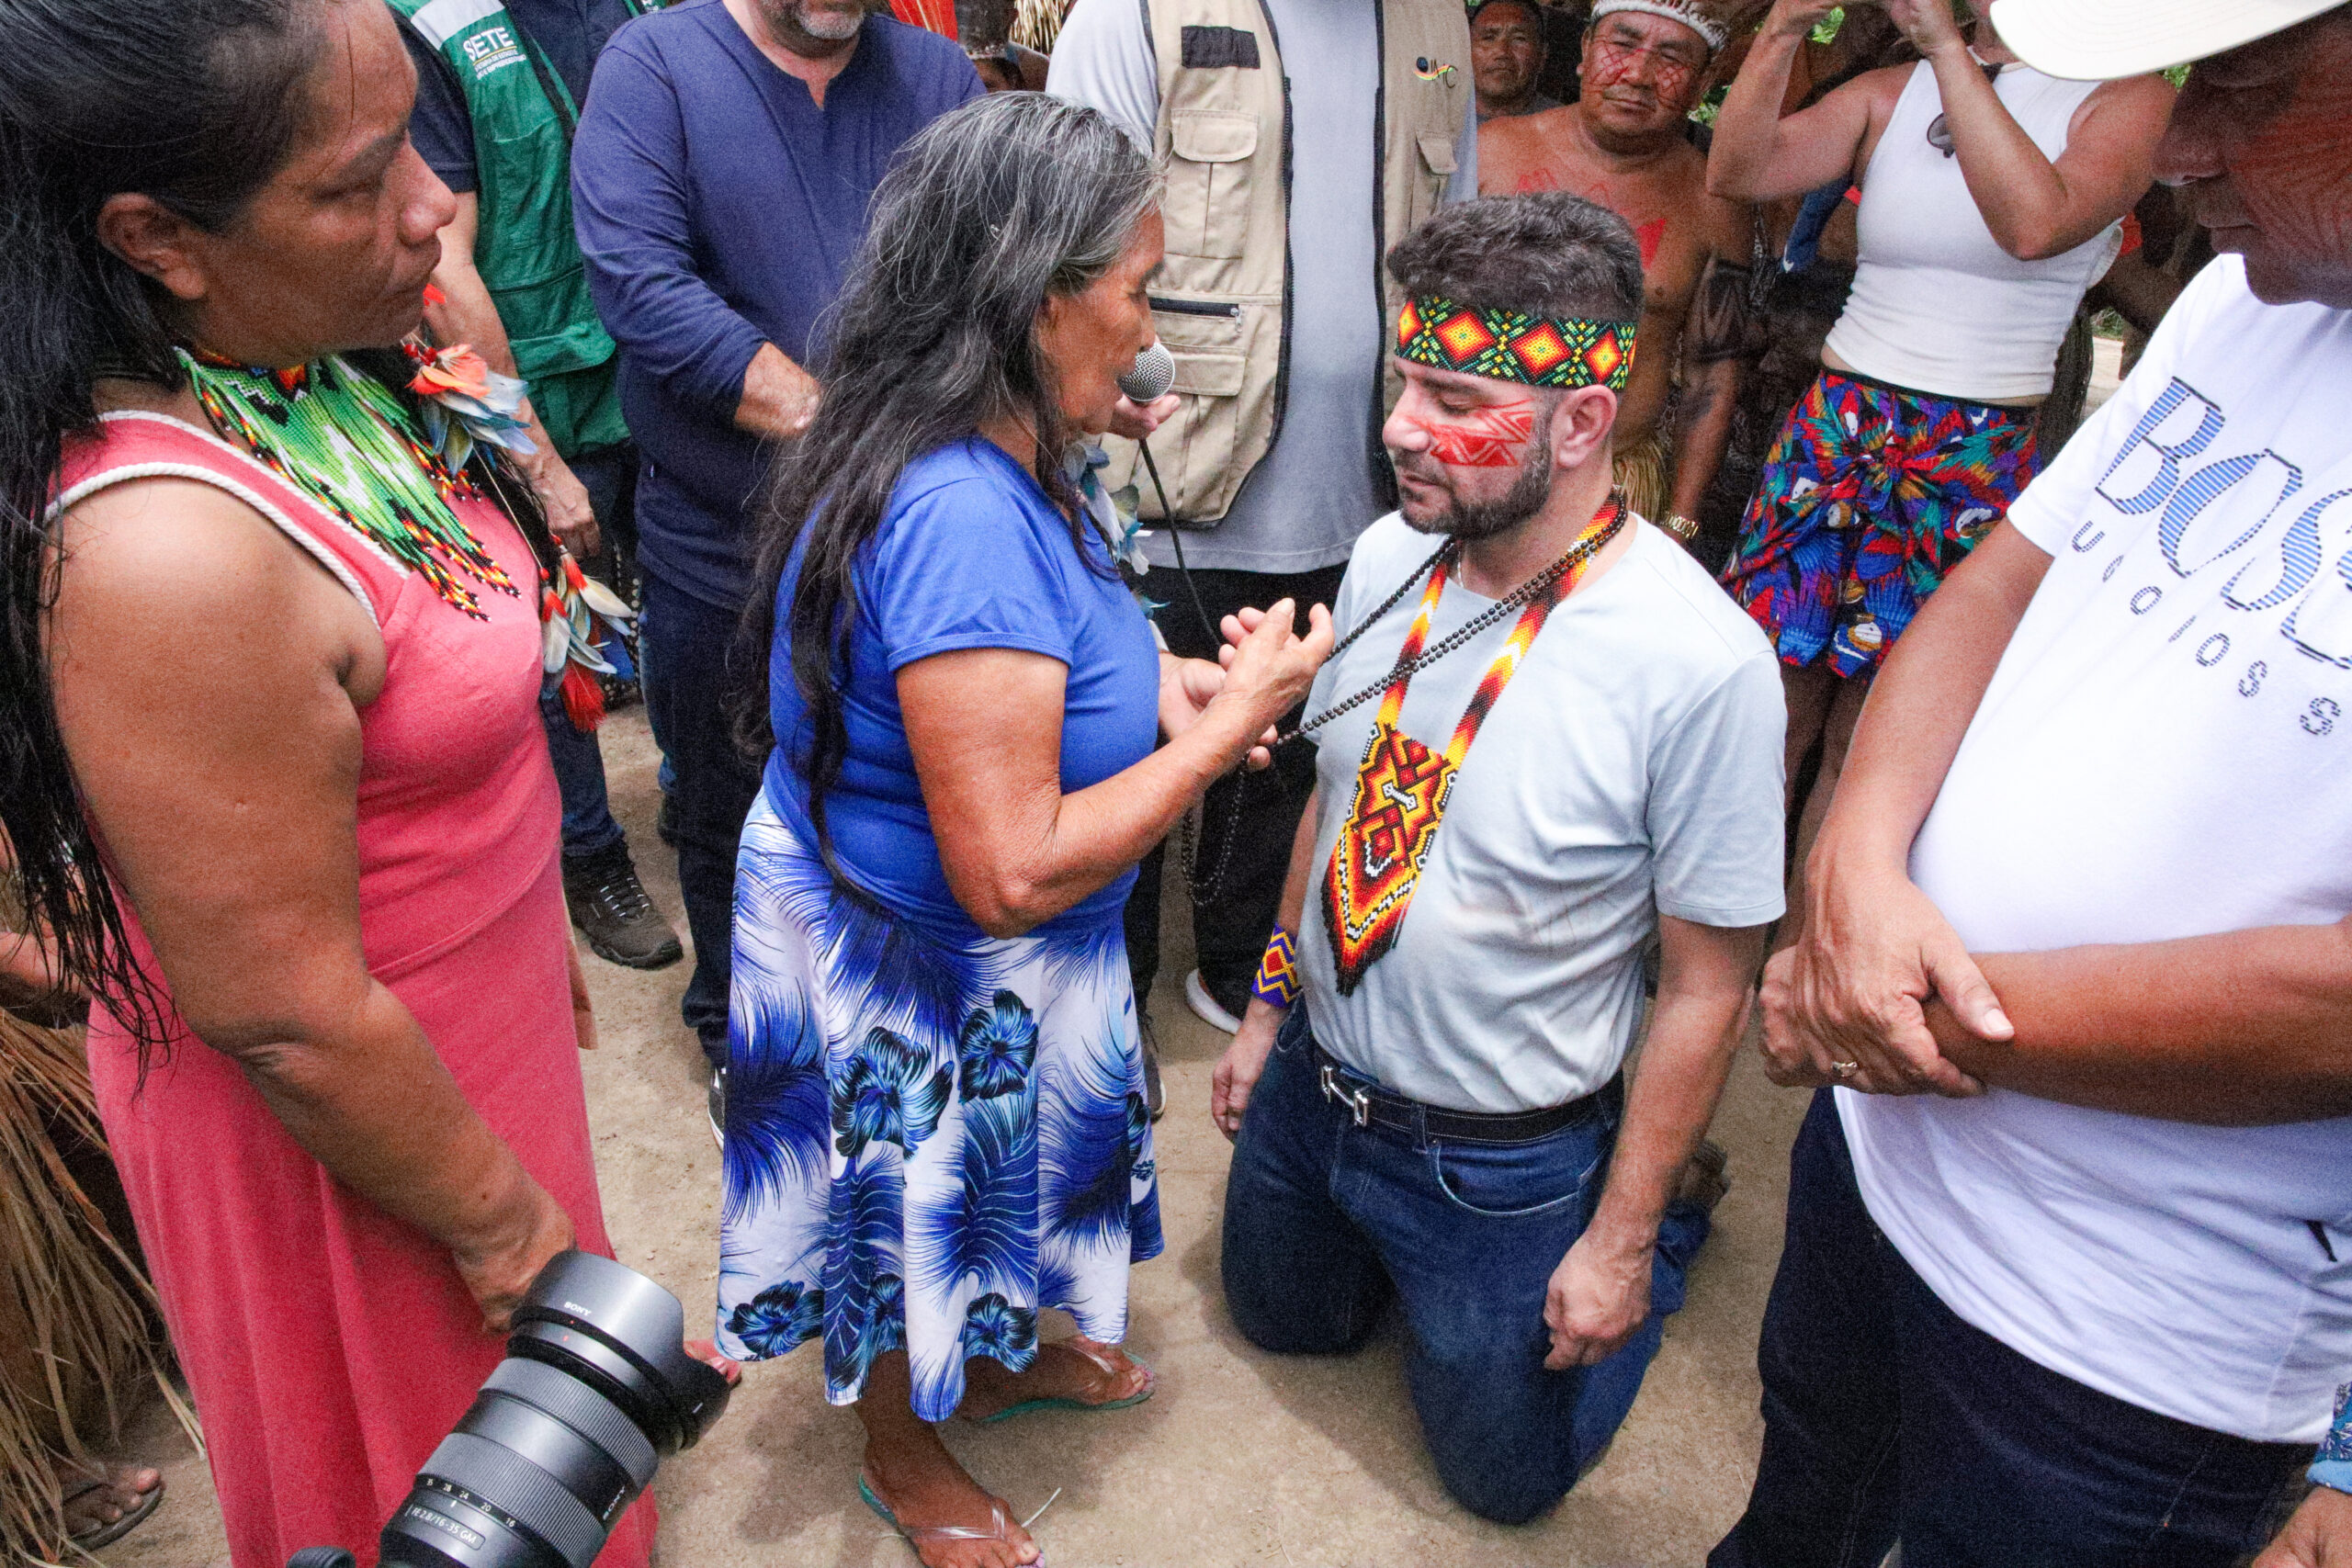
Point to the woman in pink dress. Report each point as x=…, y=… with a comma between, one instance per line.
x=270, y=758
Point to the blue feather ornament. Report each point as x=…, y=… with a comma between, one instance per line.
x=1084, y=1158
x=984, y=1226
x=928, y=984
x=777, y=1095
x=865, y=1288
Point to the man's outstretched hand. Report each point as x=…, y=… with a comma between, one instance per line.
x=1847, y=1004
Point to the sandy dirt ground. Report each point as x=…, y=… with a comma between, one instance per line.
x=1242, y=1457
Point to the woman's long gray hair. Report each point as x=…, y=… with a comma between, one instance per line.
x=991, y=209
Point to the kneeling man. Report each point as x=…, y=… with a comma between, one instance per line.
x=1546, y=735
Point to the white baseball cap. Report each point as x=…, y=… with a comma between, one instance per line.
x=2095, y=41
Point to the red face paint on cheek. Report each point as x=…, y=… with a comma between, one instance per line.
x=1491, y=437
x=1613, y=65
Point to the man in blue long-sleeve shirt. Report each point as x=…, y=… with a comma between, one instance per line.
x=720, y=178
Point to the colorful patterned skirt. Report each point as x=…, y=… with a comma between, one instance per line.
x=926, y=1142
x=1870, y=496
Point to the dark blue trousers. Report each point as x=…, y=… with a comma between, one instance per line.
x=688, y=686
x=1326, y=1223
x=1887, y=1418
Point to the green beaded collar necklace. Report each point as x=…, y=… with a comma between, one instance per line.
x=348, y=444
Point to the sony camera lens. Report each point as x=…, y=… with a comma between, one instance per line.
x=596, y=1388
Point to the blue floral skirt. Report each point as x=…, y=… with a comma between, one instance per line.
x=926, y=1142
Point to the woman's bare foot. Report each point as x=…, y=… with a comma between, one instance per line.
x=1062, y=1371
x=706, y=1352
x=919, y=1482
x=914, y=1476
x=94, y=1501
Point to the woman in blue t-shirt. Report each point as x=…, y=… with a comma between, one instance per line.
x=934, y=1110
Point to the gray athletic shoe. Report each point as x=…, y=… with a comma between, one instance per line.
x=609, y=905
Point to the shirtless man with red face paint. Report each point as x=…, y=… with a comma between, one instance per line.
x=1623, y=145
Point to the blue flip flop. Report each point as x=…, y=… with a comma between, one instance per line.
x=1062, y=1402
x=916, y=1535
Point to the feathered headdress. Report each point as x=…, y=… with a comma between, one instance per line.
x=1690, y=13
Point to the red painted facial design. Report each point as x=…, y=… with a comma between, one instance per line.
x=1538, y=178
x=1613, y=65
x=1491, y=437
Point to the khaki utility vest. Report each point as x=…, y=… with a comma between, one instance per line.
x=1220, y=301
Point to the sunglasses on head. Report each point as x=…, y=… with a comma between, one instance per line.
x=1940, y=127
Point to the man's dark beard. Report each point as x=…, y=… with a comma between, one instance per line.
x=1472, y=520
x=783, y=19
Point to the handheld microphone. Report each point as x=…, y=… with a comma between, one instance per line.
x=1152, y=374
x=1147, y=380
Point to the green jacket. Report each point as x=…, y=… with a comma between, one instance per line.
x=524, y=245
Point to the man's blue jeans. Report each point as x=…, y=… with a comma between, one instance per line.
x=1887, y=1416
x=609, y=476
x=1325, y=1221
x=688, y=684
x=588, y=822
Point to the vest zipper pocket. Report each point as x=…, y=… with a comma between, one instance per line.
x=1195, y=308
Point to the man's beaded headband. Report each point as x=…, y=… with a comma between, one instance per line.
x=1511, y=345
x=1682, y=11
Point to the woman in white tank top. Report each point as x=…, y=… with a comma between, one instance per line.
x=1991, y=197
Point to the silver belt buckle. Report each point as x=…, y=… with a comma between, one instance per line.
x=1357, y=1101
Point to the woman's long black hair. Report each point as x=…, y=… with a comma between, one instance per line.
x=1009, y=199
x=197, y=104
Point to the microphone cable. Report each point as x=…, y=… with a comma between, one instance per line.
x=1147, y=382
x=1176, y=542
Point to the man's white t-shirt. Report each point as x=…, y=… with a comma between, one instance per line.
x=1632, y=766
x=2166, y=750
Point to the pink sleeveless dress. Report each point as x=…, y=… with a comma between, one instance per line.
x=329, y=1346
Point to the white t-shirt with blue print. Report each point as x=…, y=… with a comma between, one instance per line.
x=2165, y=751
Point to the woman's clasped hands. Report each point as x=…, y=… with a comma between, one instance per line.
x=1269, y=667
x=1928, y=24
x=1263, y=673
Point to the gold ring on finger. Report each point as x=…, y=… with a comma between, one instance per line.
x=1844, y=1069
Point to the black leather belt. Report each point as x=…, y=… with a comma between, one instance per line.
x=1372, y=1106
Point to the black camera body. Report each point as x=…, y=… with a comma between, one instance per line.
x=597, y=1389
